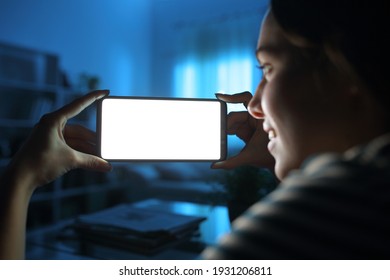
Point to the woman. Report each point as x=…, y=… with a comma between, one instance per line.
x=325, y=121
x=323, y=102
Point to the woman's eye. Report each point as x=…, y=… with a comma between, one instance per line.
x=266, y=69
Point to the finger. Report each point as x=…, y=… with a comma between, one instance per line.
x=82, y=146
x=93, y=163
x=243, y=97
x=232, y=162
x=239, y=124
x=235, y=120
x=78, y=105
x=79, y=132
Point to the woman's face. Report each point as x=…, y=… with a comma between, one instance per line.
x=303, y=114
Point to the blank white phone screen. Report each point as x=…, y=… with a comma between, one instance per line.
x=149, y=129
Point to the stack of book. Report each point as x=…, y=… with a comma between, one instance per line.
x=143, y=231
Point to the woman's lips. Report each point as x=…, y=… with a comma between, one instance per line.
x=271, y=137
x=271, y=134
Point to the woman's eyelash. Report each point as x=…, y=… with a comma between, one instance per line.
x=264, y=68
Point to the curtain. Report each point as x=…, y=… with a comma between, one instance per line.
x=217, y=55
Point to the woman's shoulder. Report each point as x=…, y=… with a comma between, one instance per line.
x=363, y=165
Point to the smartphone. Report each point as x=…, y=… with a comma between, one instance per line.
x=161, y=129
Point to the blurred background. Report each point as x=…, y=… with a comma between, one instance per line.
x=137, y=47
x=143, y=47
x=54, y=51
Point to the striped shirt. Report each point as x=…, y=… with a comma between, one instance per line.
x=334, y=207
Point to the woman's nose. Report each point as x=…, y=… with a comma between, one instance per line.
x=254, y=106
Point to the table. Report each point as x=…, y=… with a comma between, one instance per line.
x=55, y=243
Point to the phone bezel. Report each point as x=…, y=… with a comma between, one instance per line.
x=223, y=133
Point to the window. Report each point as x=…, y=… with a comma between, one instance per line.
x=203, y=79
x=217, y=56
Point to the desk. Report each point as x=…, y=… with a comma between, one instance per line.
x=53, y=242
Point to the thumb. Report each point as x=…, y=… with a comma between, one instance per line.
x=230, y=163
x=243, y=97
x=94, y=163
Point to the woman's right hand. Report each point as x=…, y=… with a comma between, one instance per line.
x=54, y=148
x=248, y=129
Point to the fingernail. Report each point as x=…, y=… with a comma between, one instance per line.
x=109, y=167
x=104, y=93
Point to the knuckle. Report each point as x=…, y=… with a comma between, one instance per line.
x=47, y=119
x=91, y=163
x=247, y=94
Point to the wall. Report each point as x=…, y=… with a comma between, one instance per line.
x=107, y=38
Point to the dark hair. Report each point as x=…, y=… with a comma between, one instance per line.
x=351, y=34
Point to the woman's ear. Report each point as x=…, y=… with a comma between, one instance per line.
x=362, y=100
x=358, y=91
x=355, y=97
x=354, y=89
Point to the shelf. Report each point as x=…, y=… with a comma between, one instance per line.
x=28, y=86
x=12, y=123
x=77, y=191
